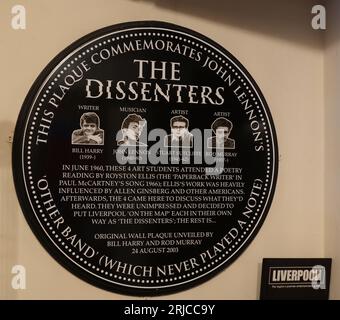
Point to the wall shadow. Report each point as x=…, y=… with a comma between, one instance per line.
x=8, y=214
x=288, y=19
x=332, y=155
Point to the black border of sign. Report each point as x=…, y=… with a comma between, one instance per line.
x=19, y=181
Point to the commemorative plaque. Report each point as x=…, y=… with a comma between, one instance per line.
x=145, y=158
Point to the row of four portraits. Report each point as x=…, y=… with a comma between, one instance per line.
x=132, y=126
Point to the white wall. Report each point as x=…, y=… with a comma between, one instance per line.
x=273, y=40
x=332, y=145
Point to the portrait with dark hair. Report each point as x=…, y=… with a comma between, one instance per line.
x=90, y=132
x=180, y=135
x=221, y=128
x=132, y=127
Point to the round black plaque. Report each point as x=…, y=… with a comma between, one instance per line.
x=145, y=158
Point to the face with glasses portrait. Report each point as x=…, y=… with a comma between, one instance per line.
x=179, y=129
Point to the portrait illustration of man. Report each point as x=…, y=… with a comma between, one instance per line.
x=90, y=132
x=131, y=129
x=221, y=128
x=180, y=135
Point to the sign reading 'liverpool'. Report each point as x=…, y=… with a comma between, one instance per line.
x=145, y=158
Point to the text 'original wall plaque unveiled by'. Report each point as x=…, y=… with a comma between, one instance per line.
x=145, y=158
